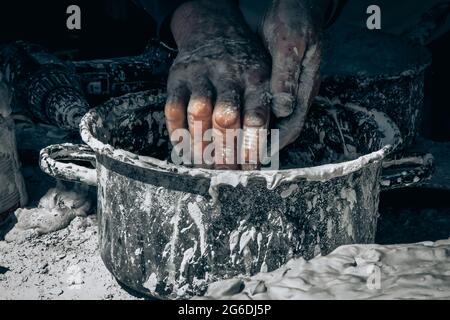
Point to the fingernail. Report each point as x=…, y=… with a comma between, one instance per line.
x=253, y=120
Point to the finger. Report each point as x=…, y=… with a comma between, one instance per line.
x=256, y=114
x=291, y=126
x=175, y=108
x=226, y=122
x=287, y=57
x=199, y=116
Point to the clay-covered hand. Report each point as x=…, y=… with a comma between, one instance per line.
x=220, y=78
x=291, y=31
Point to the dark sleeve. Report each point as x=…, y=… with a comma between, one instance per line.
x=160, y=10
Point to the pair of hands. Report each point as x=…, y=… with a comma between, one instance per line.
x=226, y=77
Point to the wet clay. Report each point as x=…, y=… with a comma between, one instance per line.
x=406, y=271
x=55, y=211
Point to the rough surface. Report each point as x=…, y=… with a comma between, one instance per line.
x=66, y=265
x=56, y=209
x=61, y=265
x=415, y=271
x=182, y=241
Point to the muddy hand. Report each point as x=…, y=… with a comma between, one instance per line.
x=219, y=80
x=291, y=31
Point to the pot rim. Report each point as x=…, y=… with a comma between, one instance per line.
x=273, y=177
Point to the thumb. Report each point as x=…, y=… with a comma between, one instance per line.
x=307, y=88
x=287, y=60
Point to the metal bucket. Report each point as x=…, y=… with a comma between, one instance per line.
x=168, y=231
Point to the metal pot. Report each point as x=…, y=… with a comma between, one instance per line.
x=168, y=231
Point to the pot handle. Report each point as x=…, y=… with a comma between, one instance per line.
x=405, y=170
x=58, y=161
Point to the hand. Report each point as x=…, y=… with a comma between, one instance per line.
x=220, y=78
x=291, y=31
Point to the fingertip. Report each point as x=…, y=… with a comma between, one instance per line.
x=226, y=116
x=226, y=121
x=283, y=104
x=200, y=110
x=175, y=113
x=174, y=110
x=257, y=107
x=255, y=119
x=255, y=122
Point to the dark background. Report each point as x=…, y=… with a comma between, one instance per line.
x=108, y=27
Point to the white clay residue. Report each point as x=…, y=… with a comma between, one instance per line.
x=292, y=188
x=349, y=195
x=196, y=215
x=151, y=283
x=188, y=255
x=405, y=271
x=171, y=245
x=246, y=237
x=55, y=211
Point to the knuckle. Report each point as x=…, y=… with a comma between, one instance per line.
x=258, y=76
